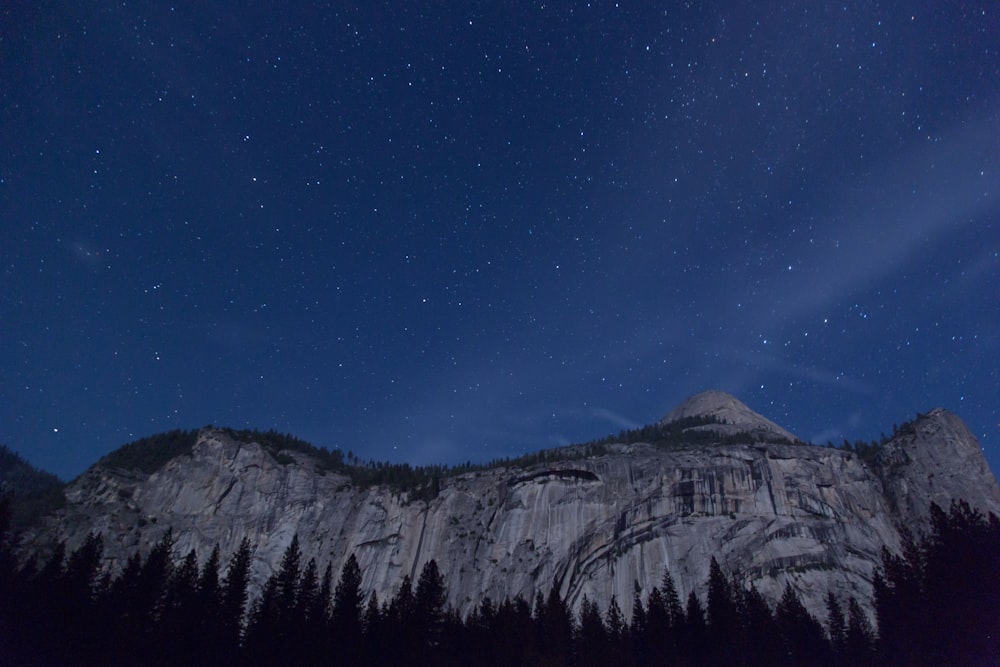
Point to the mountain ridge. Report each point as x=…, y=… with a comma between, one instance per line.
x=596, y=524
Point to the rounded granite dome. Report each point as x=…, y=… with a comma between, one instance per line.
x=730, y=411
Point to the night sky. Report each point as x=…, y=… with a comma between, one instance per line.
x=436, y=232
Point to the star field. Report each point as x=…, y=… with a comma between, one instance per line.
x=456, y=232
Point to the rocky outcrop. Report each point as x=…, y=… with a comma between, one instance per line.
x=933, y=460
x=733, y=417
x=771, y=512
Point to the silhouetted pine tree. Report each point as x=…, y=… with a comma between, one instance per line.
x=346, y=616
x=178, y=640
x=373, y=647
x=233, y=599
x=592, y=645
x=672, y=601
x=618, y=637
x=401, y=639
x=859, y=639
x=804, y=639
x=961, y=605
x=209, y=602
x=836, y=625
x=269, y=633
x=639, y=628
x=762, y=644
x=723, y=629
x=554, y=628
x=692, y=644
x=137, y=599
x=317, y=620
x=938, y=602
x=66, y=628
x=429, y=607
x=312, y=648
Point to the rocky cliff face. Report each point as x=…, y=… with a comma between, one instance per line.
x=772, y=513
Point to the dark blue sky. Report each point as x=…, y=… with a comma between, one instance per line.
x=433, y=232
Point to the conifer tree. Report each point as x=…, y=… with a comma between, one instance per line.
x=835, y=624
x=761, y=643
x=374, y=639
x=79, y=625
x=430, y=601
x=639, y=627
x=210, y=610
x=346, y=616
x=804, y=639
x=592, y=638
x=348, y=598
x=692, y=645
x=722, y=617
x=859, y=640
x=554, y=627
x=401, y=637
x=617, y=633
x=672, y=601
x=287, y=578
x=233, y=598
x=178, y=639
x=273, y=620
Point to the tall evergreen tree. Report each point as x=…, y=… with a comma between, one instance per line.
x=554, y=628
x=311, y=647
x=402, y=639
x=591, y=637
x=273, y=620
x=80, y=625
x=694, y=638
x=859, y=639
x=287, y=581
x=374, y=632
x=835, y=624
x=804, y=639
x=347, y=612
x=210, y=605
x=672, y=601
x=179, y=641
x=639, y=628
x=618, y=639
x=722, y=615
x=430, y=602
x=761, y=643
x=233, y=598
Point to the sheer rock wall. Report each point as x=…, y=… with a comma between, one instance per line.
x=770, y=513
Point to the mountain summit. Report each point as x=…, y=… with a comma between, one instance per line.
x=734, y=417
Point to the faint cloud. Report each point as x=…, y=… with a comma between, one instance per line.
x=879, y=226
x=770, y=362
x=833, y=435
x=615, y=418
x=837, y=434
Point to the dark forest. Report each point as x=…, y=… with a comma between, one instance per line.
x=936, y=603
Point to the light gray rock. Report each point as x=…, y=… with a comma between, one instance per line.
x=933, y=460
x=735, y=416
x=770, y=513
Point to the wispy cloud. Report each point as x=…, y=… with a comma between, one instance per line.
x=874, y=228
x=615, y=418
